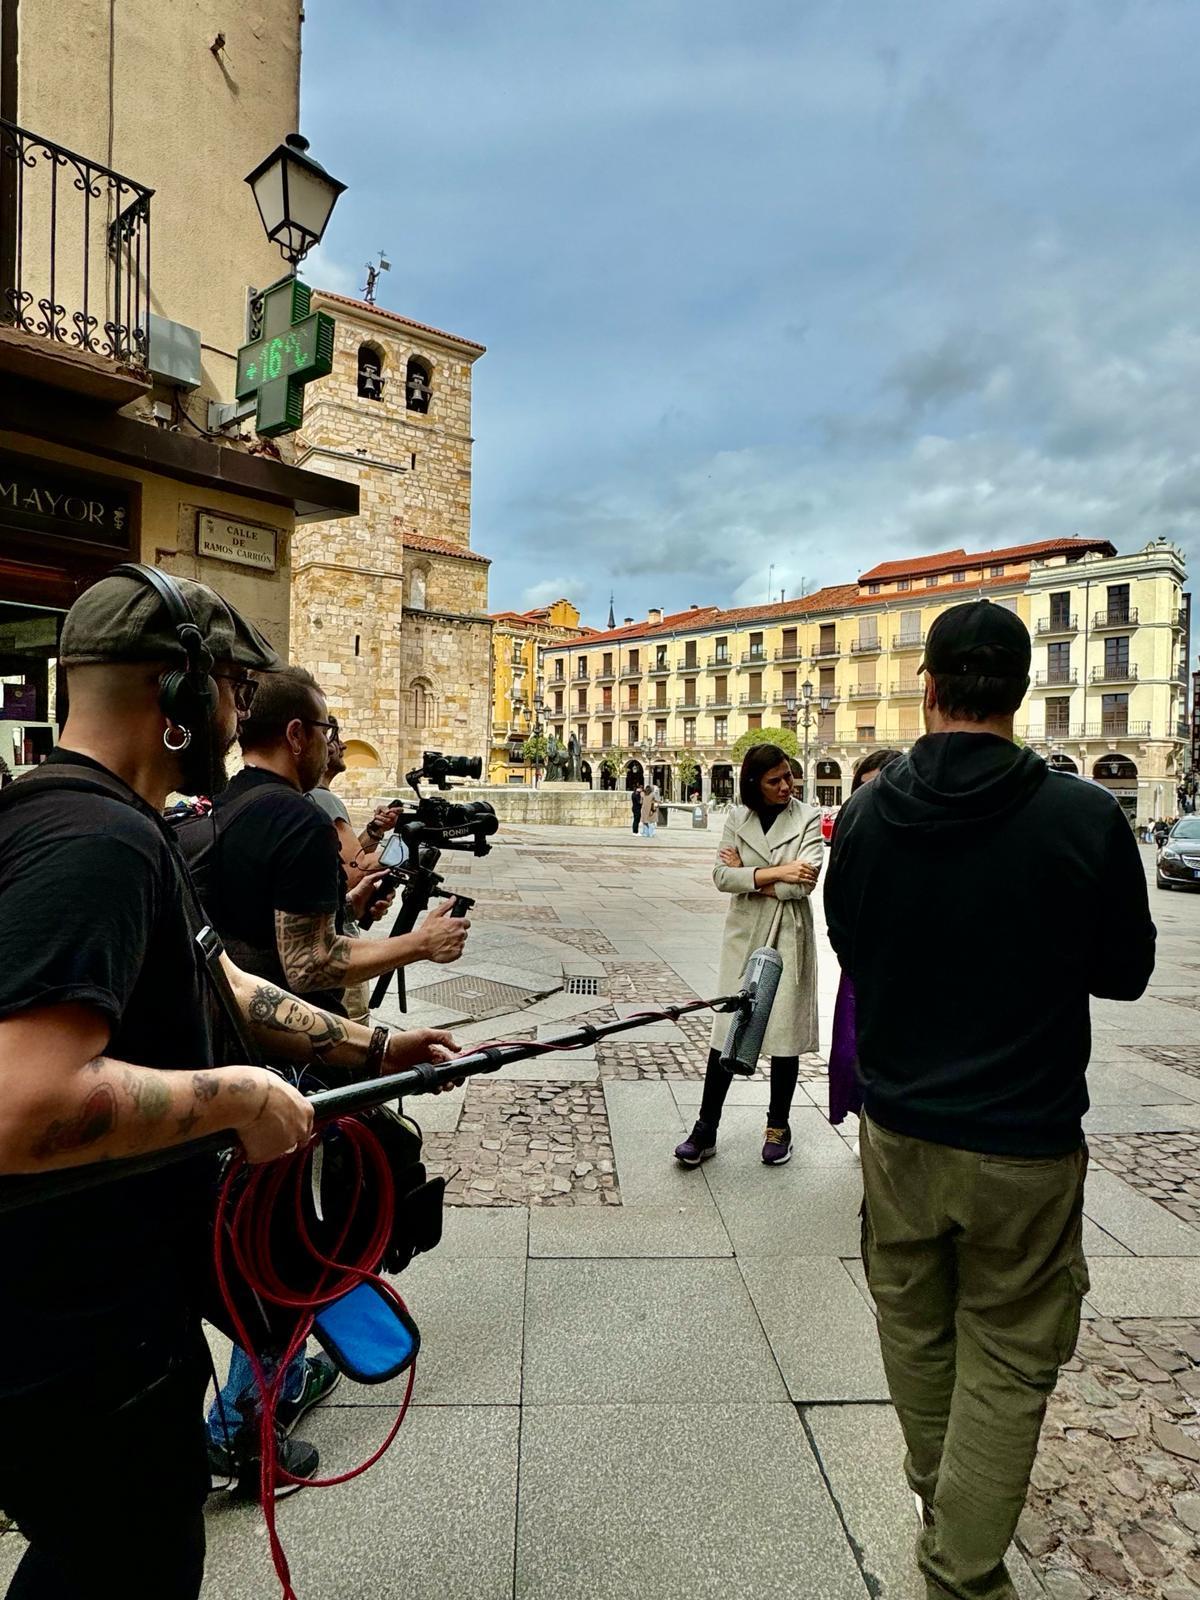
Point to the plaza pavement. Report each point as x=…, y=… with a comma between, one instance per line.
x=645, y=1383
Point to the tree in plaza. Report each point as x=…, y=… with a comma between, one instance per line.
x=783, y=737
x=534, y=751
x=612, y=764
x=688, y=769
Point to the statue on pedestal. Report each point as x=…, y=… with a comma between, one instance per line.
x=556, y=760
x=574, y=760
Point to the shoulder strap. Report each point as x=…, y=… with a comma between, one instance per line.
x=68, y=775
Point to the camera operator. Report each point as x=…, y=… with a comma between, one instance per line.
x=109, y=1047
x=276, y=897
x=358, y=853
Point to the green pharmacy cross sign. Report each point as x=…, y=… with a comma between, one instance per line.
x=293, y=348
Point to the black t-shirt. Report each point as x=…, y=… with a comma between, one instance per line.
x=279, y=853
x=92, y=913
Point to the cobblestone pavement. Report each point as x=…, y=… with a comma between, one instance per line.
x=1114, y=1507
x=1186, y=1058
x=1163, y=1166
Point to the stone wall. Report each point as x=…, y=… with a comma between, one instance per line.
x=554, y=804
x=446, y=687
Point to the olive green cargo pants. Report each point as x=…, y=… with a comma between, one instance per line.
x=976, y=1266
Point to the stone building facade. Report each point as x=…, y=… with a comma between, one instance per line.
x=517, y=642
x=389, y=609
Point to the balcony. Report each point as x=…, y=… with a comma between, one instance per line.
x=1178, y=619
x=908, y=691
x=1056, y=678
x=631, y=674
x=688, y=665
x=580, y=675
x=688, y=705
x=1115, y=672
x=607, y=676
x=758, y=699
x=754, y=658
x=1106, y=728
x=718, y=702
x=865, y=647
x=1057, y=627
x=721, y=659
x=863, y=691
x=660, y=669
x=632, y=708
x=909, y=641
x=827, y=652
x=789, y=652
x=75, y=250
x=1123, y=617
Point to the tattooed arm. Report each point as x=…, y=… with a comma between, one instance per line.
x=64, y=1103
x=314, y=955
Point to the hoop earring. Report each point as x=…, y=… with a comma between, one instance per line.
x=182, y=745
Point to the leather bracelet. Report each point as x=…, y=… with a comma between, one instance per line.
x=376, y=1050
x=374, y=832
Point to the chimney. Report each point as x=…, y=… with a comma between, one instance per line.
x=654, y=614
x=693, y=606
x=628, y=623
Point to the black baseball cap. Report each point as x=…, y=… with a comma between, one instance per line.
x=121, y=618
x=978, y=637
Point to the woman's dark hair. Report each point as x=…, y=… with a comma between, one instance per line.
x=282, y=697
x=875, y=761
x=760, y=758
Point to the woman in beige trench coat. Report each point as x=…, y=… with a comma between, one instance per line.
x=770, y=857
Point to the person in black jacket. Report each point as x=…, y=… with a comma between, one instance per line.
x=973, y=1039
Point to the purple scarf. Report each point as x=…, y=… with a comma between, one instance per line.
x=845, y=1090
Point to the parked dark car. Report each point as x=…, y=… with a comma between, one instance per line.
x=1179, y=858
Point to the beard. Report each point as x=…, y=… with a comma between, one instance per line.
x=202, y=769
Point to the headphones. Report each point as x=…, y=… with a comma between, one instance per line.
x=186, y=696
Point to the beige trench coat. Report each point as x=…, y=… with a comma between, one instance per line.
x=795, y=835
x=649, y=807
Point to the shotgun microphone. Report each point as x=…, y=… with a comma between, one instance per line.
x=743, y=1043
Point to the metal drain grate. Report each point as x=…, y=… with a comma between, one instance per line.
x=476, y=997
x=581, y=986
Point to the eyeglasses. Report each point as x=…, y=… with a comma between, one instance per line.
x=244, y=689
x=331, y=728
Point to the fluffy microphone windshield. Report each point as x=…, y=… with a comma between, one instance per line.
x=743, y=1043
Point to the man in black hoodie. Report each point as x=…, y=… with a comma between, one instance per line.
x=977, y=899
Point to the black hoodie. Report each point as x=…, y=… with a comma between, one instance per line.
x=976, y=899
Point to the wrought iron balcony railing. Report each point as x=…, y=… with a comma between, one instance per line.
x=865, y=647
x=1115, y=617
x=1057, y=625
x=1114, y=672
x=74, y=249
x=909, y=641
x=1056, y=678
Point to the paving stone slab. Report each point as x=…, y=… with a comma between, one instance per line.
x=1142, y=1119
x=623, y=1231
x=648, y=1174
x=814, y=1141
x=479, y=1233
x=793, y=1211
x=682, y=1502
x=1133, y=1287
x=1111, y=1085
x=471, y=1313
x=435, y=1518
x=820, y=1330
x=643, y=1331
x=1098, y=1243
x=436, y=1113
x=1138, y=1222
x=644, y=1105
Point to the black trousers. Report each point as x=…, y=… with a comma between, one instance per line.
x=107, y=1480
x=784, y=1072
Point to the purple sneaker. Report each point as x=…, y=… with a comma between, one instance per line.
x=698, y=1146
x=777, y=1147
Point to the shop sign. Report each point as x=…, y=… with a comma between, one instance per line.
x=245, y=544
x=41, y=497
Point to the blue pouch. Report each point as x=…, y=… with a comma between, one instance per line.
x=368, y=1336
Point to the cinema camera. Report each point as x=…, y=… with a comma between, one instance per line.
x=413, y=849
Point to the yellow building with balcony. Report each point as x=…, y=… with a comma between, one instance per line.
x=518, y=638
x=1111, y=706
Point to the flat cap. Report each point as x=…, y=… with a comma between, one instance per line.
x=122, y=618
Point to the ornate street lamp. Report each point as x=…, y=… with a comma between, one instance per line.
x=805, y=713
x=295, y=198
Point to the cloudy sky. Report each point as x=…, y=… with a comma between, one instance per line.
x=802, y=284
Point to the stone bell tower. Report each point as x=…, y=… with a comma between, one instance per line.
x=389, y=608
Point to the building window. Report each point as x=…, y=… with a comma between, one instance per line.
x=1114, y=715
x=635, y=661
x=581, y=733
x=1060, y=610
x=1058, y=663
x=660, y=655
x=420, y=704
x=754, y=720
x=872, y=588
x=1116, y=656
x=558, y=668
x=866, y=732
x=418, y=385
x=931, y=583
x=581, y=700
x=756, y=647
x=633, y=732
x=581, y=667
x=960, y=577
x=721, y=650
x=689, y=653
x=370, y=372
x=689, y=730
x=903, y=584
x=606, y=735
x=720, y=729
x=995, y=572
x=417, y=580
x=1058, y=716
x=660, y=733
x=1118, y=602
x=607, y=663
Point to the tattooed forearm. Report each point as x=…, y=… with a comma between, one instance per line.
x=311, y=951
x=95, y=1120
x=149, y=1093
x=271, y=1009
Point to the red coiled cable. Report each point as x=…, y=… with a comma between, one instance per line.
x=243, y=1229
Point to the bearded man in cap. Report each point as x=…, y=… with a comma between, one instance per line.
x=943, y=894
x=111, y=1045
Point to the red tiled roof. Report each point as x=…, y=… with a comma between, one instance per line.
x=394, y=316
x=949, y=560
x=442, y=547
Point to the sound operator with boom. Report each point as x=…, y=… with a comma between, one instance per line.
x=112, y=1044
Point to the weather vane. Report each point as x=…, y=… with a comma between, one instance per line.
x=373, y=272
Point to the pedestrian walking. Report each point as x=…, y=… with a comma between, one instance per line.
x=973, y=1042
x=636, y=801
x=845, y=1091
x=770, y=857
x=1161, y=832
x=649, y=811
